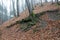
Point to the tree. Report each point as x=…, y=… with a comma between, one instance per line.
x=13, y=8
x=57, y=1
x=45, y=1
x=3, y=13
x=32, y=4
x=29, y=7
x=41, y=3
x=1, y=10
x=52, y=1
x=17, y=8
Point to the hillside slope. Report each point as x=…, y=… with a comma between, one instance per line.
x=46, y=29
x=37, y=9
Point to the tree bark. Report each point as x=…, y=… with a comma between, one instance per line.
x=14, y=8
x=52, y=1
x=41, y=3
x=17, y=8
x=29, y=7
x=32, y=4
x=46, y=1
x=56, y=1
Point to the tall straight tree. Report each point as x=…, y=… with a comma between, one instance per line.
x=22, y=5
x=52, y=1
x=56, y=1
x=17, y=8
x=32, y=4
x=29, y=7
x=2, y=11
x=13, y=8
x=41, y=2
x=46, y=1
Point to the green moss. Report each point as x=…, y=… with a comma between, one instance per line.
x=30, y=21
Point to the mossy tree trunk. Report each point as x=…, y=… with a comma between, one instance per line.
x=30, y=9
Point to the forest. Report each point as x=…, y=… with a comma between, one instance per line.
x=13, y=7
x=29, y=19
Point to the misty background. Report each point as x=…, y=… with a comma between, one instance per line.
x=6, y=7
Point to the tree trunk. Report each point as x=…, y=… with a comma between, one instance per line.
x=29, y=7
x=56, y=1
x=14, y=8
x=46, y=1
x=17, y=8
x=32, y=4
x=52, y=1
x=41, y=3
x=2, y=11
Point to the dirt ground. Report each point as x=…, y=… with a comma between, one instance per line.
x=49, y=29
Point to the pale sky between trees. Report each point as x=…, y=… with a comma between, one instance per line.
x=8, y=4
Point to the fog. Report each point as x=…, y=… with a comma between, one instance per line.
x=6, y=8
x=8, y=5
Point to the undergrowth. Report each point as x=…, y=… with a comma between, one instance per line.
x=58, y=4
x=27, y=23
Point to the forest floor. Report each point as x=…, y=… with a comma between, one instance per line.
x=47, y=28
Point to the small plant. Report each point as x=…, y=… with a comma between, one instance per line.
x=33, y=15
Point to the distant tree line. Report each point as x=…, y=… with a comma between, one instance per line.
x=30, y=6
